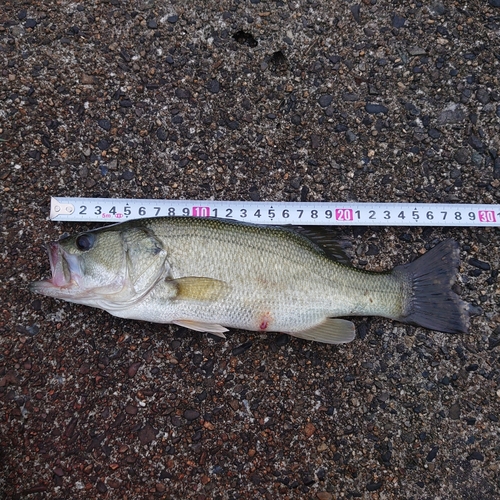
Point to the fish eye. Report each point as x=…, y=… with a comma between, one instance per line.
x=85, y=242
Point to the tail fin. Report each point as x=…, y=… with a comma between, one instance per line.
x=432, y=303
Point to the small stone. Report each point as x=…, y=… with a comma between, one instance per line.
x=348, y=97
x=351, y=137
x=438, y=8
x=374, y=109
x=398, y=21
x=125, y=55
x=476, y=143
x=132, y=370
x=432, y=454
x=105, y=124
x=254, y=193
x=496, y=169
x=374, y=486
x=416, y=51
x=152, y=24
x=176, y=421
x=309, y=430
x=182, y=93
x=315, y=141
x=131, y=409
x=88, y=79
x=191, y=415
x=173, y=18
x=462, y=156
x=483, y=96
x=147, y=434
x=434, y=133
x=454, y=412
x=479, y=264
x=242, y=348
x=325, y=100
x=101, y=487
x=161, y=134
x=32, y=330
x=30, y=23
x=103, y=145
x=494, y=341
x=452, y=113
x=84, y=368
x=113, y=483
x=476, y=455
x=324, y=495
x=35, y=154
x=477, y=159
x=58, y=472
x=282, y=340
x=356, y=13
x=128, y=175
x=213, y=86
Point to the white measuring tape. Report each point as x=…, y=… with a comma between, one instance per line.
x=263, y=212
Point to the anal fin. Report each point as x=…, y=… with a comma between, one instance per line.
x=331, y=331
x=199, y=326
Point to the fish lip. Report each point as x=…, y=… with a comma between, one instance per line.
x=61, y=272
x=64, y=269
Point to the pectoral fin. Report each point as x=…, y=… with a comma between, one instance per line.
x=198, y=288
x=331, y=331
x=198, y=326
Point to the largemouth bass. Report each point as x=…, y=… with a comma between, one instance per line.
x=210, y=275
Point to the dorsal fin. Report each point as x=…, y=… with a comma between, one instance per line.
x=327, y=239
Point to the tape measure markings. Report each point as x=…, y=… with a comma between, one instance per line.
x=305, y=213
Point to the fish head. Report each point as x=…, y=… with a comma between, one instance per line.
x=111, y=268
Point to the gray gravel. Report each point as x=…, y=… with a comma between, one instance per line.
x=248, y=100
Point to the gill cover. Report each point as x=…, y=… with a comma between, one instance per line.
x=146, y=259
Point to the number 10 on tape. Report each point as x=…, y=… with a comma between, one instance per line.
x=304, y=213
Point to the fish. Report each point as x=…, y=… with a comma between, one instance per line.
x=212, y=275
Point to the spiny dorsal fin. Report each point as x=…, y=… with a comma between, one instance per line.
x=327, y=240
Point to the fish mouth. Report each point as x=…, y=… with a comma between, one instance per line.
x=65, y=271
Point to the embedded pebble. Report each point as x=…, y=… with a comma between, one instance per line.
x=376, y=108
x=191, y=415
